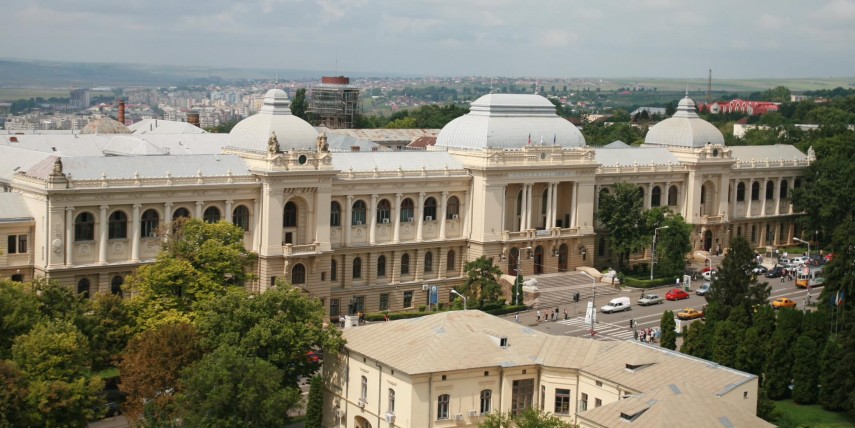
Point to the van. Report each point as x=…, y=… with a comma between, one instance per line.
x=616, y=305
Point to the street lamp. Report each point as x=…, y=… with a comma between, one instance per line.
x=593, y=300
x=804, y=242
x=453, y=291
x=653, y=251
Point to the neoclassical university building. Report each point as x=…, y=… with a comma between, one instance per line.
x=355, y=223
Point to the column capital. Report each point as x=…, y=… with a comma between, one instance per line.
x=69, y=209
x=373, y=196
x=229, y=202
x=104, y=207
x=137, y=206
x=445, y=193
x=349, y=197
x=199, y=203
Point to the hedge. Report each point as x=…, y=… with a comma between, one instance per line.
x=646, y=283
x=493, y=309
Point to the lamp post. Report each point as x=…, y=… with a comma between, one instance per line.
x=653, y=251
x=453, y=291
x=804, y=242
x=593, y=300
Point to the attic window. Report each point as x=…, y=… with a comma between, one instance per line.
x=503, y=342
x=635, y=367
x=629, y=417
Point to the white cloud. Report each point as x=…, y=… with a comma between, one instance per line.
x=556, y=38
x=772, y=22
x=837, y=10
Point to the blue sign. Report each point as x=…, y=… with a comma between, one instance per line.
x=434, y=295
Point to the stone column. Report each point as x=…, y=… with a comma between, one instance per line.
x=69, y=236
x=102, y=242
x=750, y=197
x=372, y=229
x=421, y=214
x=442, y=254
x=443, y=208
x=396, y=211
x=790, y=211
x=528, y=206
x=348, y=212
x=135, y=238
x=554, y=211
x=648, y=196
x=763, y=197
x=167, y=218
x=574, y=209
x=199, y=205
x=664, y=194
x=228, y=213
x=548, y=223
x=523, y=199
x=733, y=198
x=778, y=197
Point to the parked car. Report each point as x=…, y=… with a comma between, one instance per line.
x=690, y=314
x=676, y=294
x=617, y=304
x=800, y=260
x=759, y=270
x=775, y=272
x=709, y=275
x=704, y=289
x=650, y=299
x=783, y=302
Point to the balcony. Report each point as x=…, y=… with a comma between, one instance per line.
x=712, y=219
x=289, y=250
x=555, y=232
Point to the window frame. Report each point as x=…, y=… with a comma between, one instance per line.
x=241, y=218
x=358, y=213
x=384, y=211
x=408, y=210
x=486, y=401
x=356, y=271
x=84, y=227
x=405, y=264
x=212, y=215
x=452, y=207
x=335, y=214
x=298, y=274
x=443, y=404
x=562, y=401
x=450, y=260
x=429, y=209
x=117, y=225
x=149, y=223
x=289, y=214
x=408, y=299
x=381, y=266
x=428, y=268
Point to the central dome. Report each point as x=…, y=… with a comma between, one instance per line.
x=509, y=121
x=252, y=133
x=684, y=129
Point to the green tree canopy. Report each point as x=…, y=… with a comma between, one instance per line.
x=315, y=404
x=299, y=104
x=620, y=211
x=668, y=327
x=19, y=312
x=482, y=285
x=672, y=244
x=734, y=284
x=529, y=418
x=52, y=350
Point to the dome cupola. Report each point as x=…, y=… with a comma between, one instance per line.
x=684, y=129
x=252, y=134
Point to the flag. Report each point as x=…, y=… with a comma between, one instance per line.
x=541, y=139
x=529, y=139
x=554, y=138
x=840, y=295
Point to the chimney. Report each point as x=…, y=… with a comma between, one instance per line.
x=354, y=148
x=193, y=119
x=122, y=112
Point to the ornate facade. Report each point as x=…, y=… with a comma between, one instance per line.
x=372, y=228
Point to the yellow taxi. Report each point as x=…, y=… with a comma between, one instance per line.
x=783, y=302
x=690, y=314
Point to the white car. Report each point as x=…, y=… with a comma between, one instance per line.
x=798, y=261
x=650, y=299
x=708, y=275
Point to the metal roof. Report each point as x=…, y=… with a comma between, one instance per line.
x=95, y=167
x=764, y=153
x=684, y=129
x=13, y=209
x=394, y=160
x=252, y=133
x=628, y=156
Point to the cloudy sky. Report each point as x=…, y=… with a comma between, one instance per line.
x=555, y=38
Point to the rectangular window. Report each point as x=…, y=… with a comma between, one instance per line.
x=12, y=246
x=442, y=405
x=583, y=402
x=334, y=307
x=22, y=244
x=359, y=305
x=562, y=402
x=384, y=302
x=598, y=402
x=522, y=395
x=408, y=299
x=272, y=281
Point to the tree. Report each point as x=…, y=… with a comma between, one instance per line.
x=697, y=340
x=65, y=404
x=621, y=214
x=672, y=245
x=315, y=405
x=734, y=284
x=152, y=364
x=482, y=284
x=726, y=339
x=805, y=373
x=14, y=411
x=109, y=328
x=833, y=377
x=529, y=418
x=779, y=94
x=279, y=326
x=779, y=362
x=19, y=312
x=299, y=104
x=230, y=388
x=669, y=333
x=52, y=350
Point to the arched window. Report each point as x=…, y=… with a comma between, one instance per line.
x=150, y=221
x=656, y=196
x=703, y=194
x=118, y=228
x=358, y=213
x=84, y=227
x=357, y=268
x=333, y=270
x=180, y=213
x=797, y=183
x=391, y=401
x=770, y=190
x=740, y=192
x=442, y=403
x=486, y=401
x=672, y=196
x=755, y=191
x=211, y=215
x=83, y=288
x=430, y=209
x=405, y=264
x=428, y=262
x=383, y=211
x=116, y=285
x=381, y=266
x=240, y=217
x=783, y=190
x=335, y=214
x=298, y=274
x=449, y=262
x=289, y=215
x=452, y=208
x=407, y=210
x=363, y=390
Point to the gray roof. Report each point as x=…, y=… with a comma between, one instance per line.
x=684, y=129
x=92, y=167
x=67, y=144
x=627, y=156
x=763, y=153
x=394, y=160
x=252, y=133
x=158, y=126
x=507, y=121
x=14, y=159
x=13, y=209
x=344, y=142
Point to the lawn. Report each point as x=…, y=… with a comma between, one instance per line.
x=796, y=415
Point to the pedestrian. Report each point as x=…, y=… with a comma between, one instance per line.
x=783, y=276
x=565, y=314
x=538, y=315
x=635, y=333
x=517, y=317
x=631, y=321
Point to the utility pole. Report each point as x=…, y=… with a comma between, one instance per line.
x=653, y=250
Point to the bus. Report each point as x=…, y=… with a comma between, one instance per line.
x=809, y=276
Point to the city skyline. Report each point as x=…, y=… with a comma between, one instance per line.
x=647, y=38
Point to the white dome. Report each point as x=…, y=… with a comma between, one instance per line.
x=684, y=129
x=252, y=133
x=508, y=121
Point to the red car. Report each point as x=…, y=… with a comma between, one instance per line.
x=676, y=294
